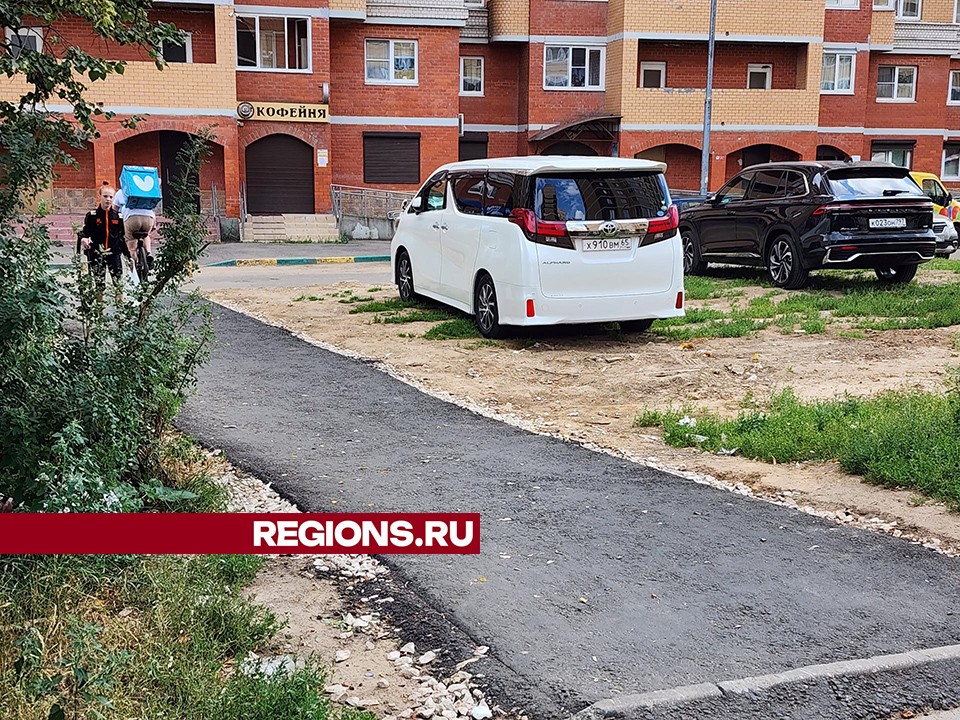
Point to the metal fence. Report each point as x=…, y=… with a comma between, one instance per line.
x=367, y=202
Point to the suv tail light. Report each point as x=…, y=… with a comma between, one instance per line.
x=539, y=231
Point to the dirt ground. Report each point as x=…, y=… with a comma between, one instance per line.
x=590, y=387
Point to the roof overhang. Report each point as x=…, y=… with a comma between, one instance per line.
x=592, y=127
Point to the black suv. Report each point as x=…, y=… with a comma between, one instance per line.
x=794, y=217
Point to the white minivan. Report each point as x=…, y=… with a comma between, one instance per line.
x=542, y=240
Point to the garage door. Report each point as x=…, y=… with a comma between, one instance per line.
x=279, y=176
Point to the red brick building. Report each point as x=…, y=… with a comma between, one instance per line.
x=302, y=94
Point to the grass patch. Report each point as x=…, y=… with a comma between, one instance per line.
x=416, y=315
x=356, y=299
x=721, y=328
x=308, y=298
x=458, y=328
x=942, y=264
x=388, y=305
x=895, y=439
x=374, y=289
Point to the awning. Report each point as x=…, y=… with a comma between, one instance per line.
x=593, y=127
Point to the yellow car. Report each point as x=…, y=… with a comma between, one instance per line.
x=947, y=226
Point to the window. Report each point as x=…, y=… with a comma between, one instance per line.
x=908, y=9
x=837, y=75
x=174, y=52
x=896, y=83
x=653, y=74
x=953, y=96
x=843, y=4
x=735, y=189
x=594, y=196
x=471, y=76
x=391, y=61
x=759, y=77
x=501, y=196
x=468, y=192
x=765, y=185
x=936, y=192
x=391, y=157
x=900, y=155
x=272, y=43
x=869, y=182
x=793, y=185
x=951, y=161
x=572, y=68
x=25, y=38
x=884, y=4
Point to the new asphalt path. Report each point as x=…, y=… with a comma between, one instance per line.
x=598, y=578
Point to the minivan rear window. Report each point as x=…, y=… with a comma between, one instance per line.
x=600, y=196
x=875, y=182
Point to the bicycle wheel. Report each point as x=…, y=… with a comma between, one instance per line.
x=143, y=269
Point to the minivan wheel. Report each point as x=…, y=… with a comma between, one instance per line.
x=636, y=326
x=405, y=277
x=486, y=311
x=783, y=264
x=896, y=275
x=693, y=264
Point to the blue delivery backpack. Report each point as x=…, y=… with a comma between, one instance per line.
x=141, y=185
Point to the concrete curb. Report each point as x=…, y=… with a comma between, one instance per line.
x=247, y=262
x=871, y=687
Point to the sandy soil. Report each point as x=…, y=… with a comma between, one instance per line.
x=590, y=385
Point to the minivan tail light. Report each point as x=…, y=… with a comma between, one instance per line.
x=539, y=231
x=665, y=224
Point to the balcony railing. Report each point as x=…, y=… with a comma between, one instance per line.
x=926, y=36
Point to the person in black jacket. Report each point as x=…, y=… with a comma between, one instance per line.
x=103, y=241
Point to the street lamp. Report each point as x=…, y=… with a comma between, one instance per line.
x=708, y=102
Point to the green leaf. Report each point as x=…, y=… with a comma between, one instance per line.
x=56, y=712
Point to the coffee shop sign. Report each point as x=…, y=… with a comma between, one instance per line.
x=284, y=112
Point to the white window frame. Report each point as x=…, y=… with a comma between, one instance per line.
x=766, y=69
x=943, y=165
x=954, y=81
x=390, y=58
x=896, y=84
x=884, y=4
x=188, y=47
x=257, y=68
x=853, y=72
x=956, y=11
x=843, y=4
x=483, y=80
x=35, y=31
x=887, y=152
x=661, y=66
x=587, y=49
x=909, y=18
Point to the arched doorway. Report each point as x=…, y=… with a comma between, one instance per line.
x=683, y=164
x=279, y=176
x=829, y=152
x=569, y=148
x=757, y=154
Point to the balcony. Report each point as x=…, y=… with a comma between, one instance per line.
x=680, y=107
x=477, y=28
x=943, y=37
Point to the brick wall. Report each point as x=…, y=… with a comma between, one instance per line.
x=83, y=175
x=509, y=17
x=501, y=76
x=683, y=164
x=687, y=63
x=291, y=86
x=851, y=26
x=553, y=106
x=76, y=32
x=929, y=110
x=139, y=150
x=779, y=18
x=435, y=95
x=568, y=17
x=850, y=110
x=438, y=146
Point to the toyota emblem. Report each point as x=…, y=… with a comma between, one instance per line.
x=608, y=228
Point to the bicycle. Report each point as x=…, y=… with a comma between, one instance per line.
x=140, y=261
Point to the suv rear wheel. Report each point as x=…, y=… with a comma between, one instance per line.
x=485, y=310
x=693, y=264
x=896, y=275
x=783, y=263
